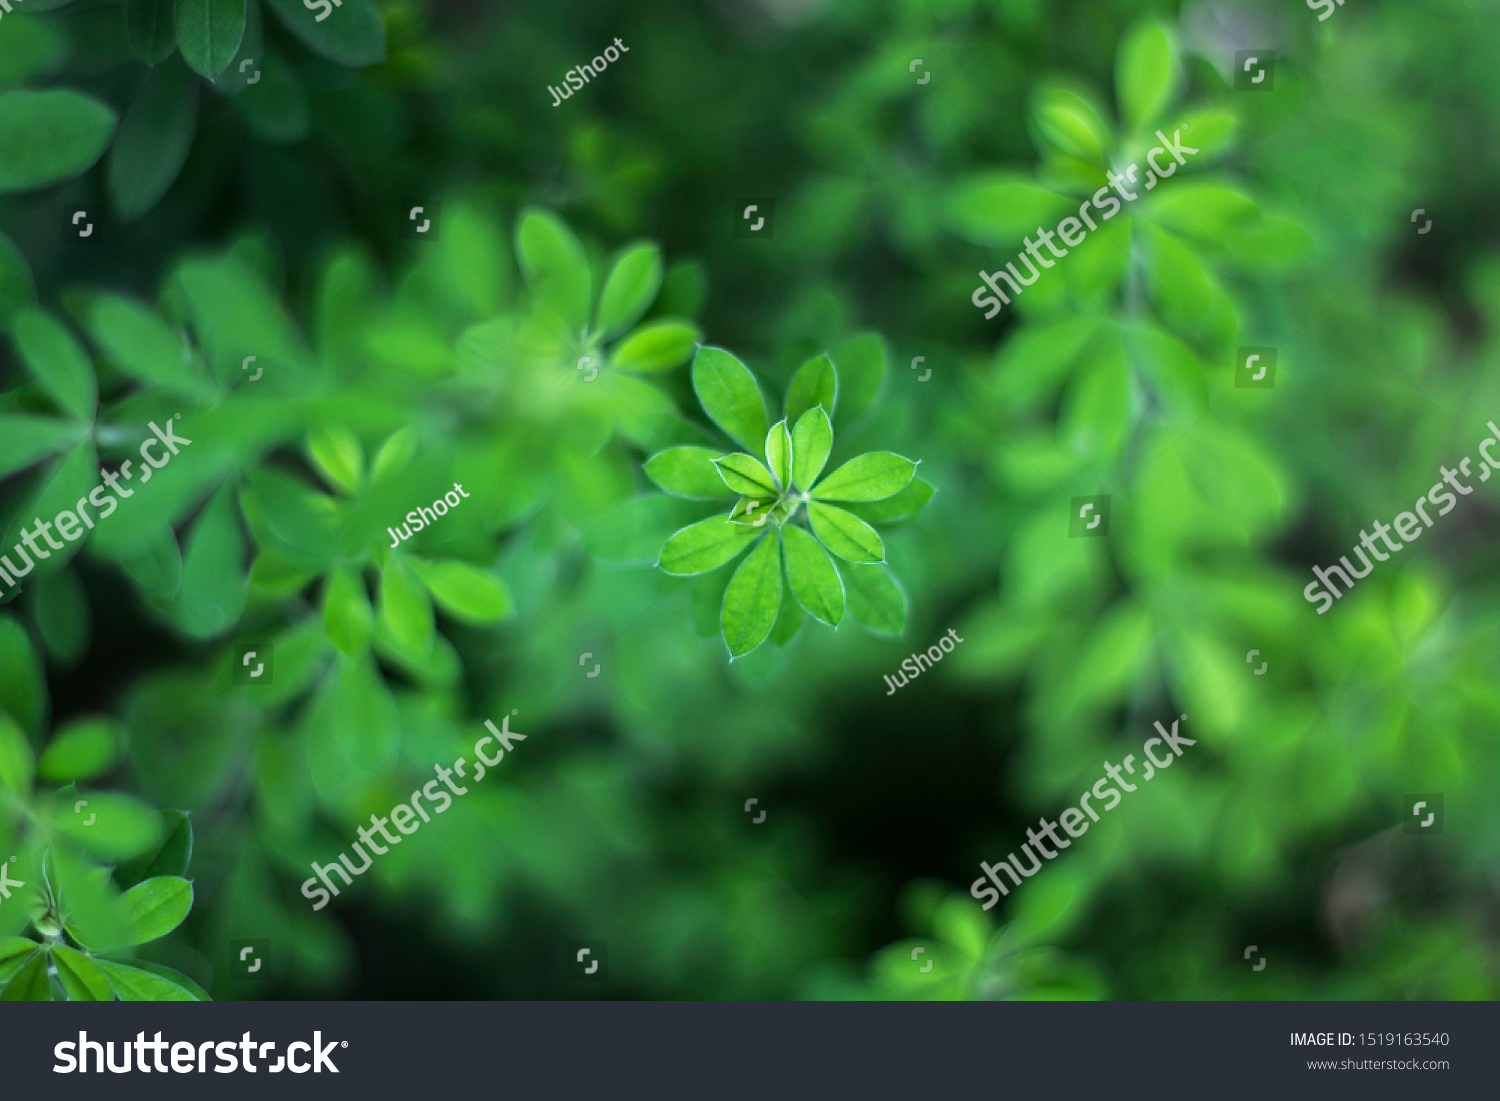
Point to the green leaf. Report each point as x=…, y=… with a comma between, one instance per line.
x=212, y=594
x=755, y=511
x=170, y=858
x=1071, y=123
x=745, y=475
x=779, y=454
x=151, y=29
x=338, y=456
x=687, y=472
x=872, y=476
x=730, y=396
x=660, y=346
x=80, y=976
x=705, y=546
x=17, y=288
x=752, y=599
x=875, y=599
x=789, y=620
x=815, y=383
x=155, y=136
x=25, y=439
x=1178, y=283
x=57, y=361
x=23, y=687
x=209, y=33
x=394, y=454
x=351, y=35
x=30, y=982
x=844, y=534
x=50, y=136
x=366, y=721
x=901, y=506
x=555, y=267
x=154, y=907
x=81, y=750
x=14, y=952
x=629, y=290
x=172, y=978
x=346, y=611
x=1205, y=211
x=861, y=366
x=276, y=105
x=405, y=606
x=68, y=482
x=63, y=616
x=133, y=983
x=812, y=439
x=16, y=762
x=1145, y=73
x=142, y=345
x=812, y=575
x=1000, y=209
x=466, y=591
x=110, y=827
x=634, y=530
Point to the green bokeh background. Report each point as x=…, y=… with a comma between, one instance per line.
x=620, y=819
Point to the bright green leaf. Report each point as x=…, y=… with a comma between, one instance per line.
x=752, y=599
x=338, y=456
x=81, y=750
x=660, y=346
x=872, y=476
x=730, y=396
x=705, y=546
x=779, y=454
x=80, y=976
x=405, y=606
x=743, y=474
x=629, y=290
x=815, y=383
x=687, y=472
x=346, y=611
x=813, y=578
x=555, y=267
x=1145, y=72
x=154, y=907
x=133, y=983
x=466, y=591
x=16, y=762
x=844, y=534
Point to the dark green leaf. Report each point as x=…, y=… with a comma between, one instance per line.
x=861, y=367
x=875, y=599
x=352, y=34
x=24, y=440
x=209, y=33
x=276, y=105
x=214, y=584
x=57, y=361
x=63, y=615
x=23, y=688
x=155, y=136
x=175, y=852
x=50, y=136
x=17, y=288
x=151, y=27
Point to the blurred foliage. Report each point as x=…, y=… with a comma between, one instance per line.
x=254, y=264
